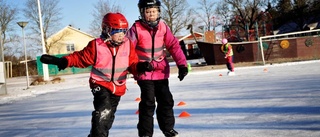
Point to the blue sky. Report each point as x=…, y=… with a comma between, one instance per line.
x=79, y=12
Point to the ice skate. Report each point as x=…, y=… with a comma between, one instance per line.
x=231, y=73
x=171, y=133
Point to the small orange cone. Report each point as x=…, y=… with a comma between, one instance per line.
x=265, y=70
x=184, y=114
x=137, y=112
x=138, y=99
x=181, y=103
x=220, y=75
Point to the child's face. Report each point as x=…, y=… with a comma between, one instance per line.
x=118, y=37
x=151, y=14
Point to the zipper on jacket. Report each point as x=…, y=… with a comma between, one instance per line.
x=113, y=62
x=152, y=35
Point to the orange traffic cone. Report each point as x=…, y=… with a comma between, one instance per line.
x=184, y=114
x=181, y=103
x=138, y=99
x=265, y=70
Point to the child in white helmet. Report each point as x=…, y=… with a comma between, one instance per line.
x=228, y=55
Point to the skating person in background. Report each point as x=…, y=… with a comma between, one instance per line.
x=151, y=37
x=111, y=56
x=228, y=55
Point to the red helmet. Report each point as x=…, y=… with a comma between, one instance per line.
x=114, y=21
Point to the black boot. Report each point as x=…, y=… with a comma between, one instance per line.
x=171, y=133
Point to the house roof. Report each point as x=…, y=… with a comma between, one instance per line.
x=72, y=28
x=189, y=36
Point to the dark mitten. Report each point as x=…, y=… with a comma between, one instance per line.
x=183, y=71
x=60, y=62
x=144, y=66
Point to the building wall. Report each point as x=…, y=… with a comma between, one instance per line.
x=79, y=40
x=65, y=36
x=310, y=51
x=272, y=50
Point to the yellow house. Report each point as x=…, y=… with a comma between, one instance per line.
x=68, y=40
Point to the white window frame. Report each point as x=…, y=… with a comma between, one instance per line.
x=70, y=47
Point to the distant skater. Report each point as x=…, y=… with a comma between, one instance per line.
x=228, y=55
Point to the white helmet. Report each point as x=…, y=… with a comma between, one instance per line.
x=224, y=41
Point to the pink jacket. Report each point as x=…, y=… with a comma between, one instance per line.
x=116, y=70
x=87, y=57
x=171, y=44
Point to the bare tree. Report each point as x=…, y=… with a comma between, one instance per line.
x=248, y=11
x=206, y=13
x=193, y=20
x=223, y=13
x=223, y=10
x=7, y=16
x=174, y=13
x=11, y=45
x=102, y=7
x=244, y=13
x=50, y=16
x=300, y=14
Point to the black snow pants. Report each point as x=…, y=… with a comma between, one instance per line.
x=151, y=91
x=105, y=105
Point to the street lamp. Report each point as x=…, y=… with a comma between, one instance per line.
x=3, y=88
x=313, y=25
x=22, y=24
x=203, y=28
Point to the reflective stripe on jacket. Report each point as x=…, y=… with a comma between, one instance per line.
x=164, y=36
x=226, y=49
x=150, y=44
x=110, y=67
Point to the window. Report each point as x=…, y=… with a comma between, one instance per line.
x=70, y=47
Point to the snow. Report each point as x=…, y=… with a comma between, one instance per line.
x=263, y=101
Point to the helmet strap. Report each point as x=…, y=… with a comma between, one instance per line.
x=107, y=39
x=115, y=44
x=105, y=33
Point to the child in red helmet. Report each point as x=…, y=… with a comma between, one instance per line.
x=111, y=56
x=228, y=55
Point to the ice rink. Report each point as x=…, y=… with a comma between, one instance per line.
x=280, y=100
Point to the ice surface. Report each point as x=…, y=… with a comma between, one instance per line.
x=280, y=100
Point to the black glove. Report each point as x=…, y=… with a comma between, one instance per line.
x=183, y=71
x=144, y=66
x=60, y=62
